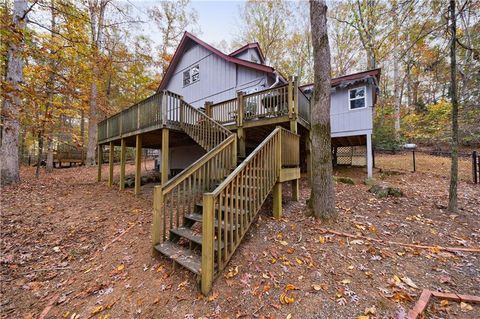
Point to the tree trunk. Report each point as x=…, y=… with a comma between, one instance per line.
x=396, y=74
x=9, y=163
x=97, y=14
x=322, y=198
x=39, y=154
x=92, y=122
x=452, y=195
x=49, y=154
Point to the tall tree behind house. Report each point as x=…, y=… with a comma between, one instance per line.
x=9, y=161
x=452, y=194
x=322, y=198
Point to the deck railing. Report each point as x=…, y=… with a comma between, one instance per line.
x=161, y=108
x=229, y=210
x=279, y=101
x=206, y=132
x=224, y=112
x=179, y=195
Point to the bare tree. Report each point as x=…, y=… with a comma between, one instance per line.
x=322, y=198
x=9, y=162
x=452, y=195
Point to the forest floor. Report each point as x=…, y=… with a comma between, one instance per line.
x=59, y=255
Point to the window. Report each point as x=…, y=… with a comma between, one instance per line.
x=191, y=75
x=356, y=98
x=186, y=78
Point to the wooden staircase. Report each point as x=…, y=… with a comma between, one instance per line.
x=184, y=244
x=202, y=214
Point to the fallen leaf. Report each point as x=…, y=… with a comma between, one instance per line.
x=213, y=296
x=465, y=307
x=284, y=299
x=232, y=272
x=121, y=267
x=363, y=317
x=290, y=287
x=346, y=281
x=370, y=311
x=96, y=310
x=283, y=242
x=409, y=282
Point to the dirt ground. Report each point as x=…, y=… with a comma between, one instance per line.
x=61, y=254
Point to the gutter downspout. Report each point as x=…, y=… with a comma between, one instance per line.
x=277, y=79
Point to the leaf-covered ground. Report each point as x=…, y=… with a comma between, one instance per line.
x=54, y=231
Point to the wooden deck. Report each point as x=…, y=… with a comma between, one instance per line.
x=285, y=105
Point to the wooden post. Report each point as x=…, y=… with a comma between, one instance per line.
x=240, y=130
x=277, y=200
x=138, y=165
x=122, y=164
x=110, y=163
x=295, y=189
x=369, y=156
x=165, y=151
x=208, y=109
x=293, y=104
x=474, y=167
x=157, y=222
x=208, y=234
x=99, y=162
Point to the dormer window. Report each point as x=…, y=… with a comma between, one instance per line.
x=356, y=98
x=191, y=75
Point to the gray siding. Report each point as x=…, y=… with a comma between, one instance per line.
x=219, y=80
x=345, y=120
x=249, y=55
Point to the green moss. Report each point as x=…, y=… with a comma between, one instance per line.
x=345, y=180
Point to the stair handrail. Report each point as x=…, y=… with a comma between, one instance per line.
x=194, y=121
x=250, y=183
x=178, y=196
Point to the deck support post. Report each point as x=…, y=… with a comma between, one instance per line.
x=240, y=130
x=157, y=222
x=165, y=151
x=369, y=156
x=138, y=164
x=208, y=234
x=99, y=162
x=122, y=164
x=277, y=200
x=111, y=149
x=293, y=103
x=295, y=189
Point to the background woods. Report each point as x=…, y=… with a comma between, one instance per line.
x=84, y=60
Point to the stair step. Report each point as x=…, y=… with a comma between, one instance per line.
x=189, y=234
x=182, y=255
x=198, y=218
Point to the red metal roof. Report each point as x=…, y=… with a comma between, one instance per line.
x=190, y=37
x=253, y=45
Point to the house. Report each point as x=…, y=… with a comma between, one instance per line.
x=235, y=130
x=200, y=73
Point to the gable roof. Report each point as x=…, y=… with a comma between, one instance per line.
x=247, y=46
x=187, y=37
x=350, y=78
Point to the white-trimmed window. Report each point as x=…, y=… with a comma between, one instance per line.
x=356, y=98
x=191, y=75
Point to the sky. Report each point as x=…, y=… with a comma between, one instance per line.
x=216, y=18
